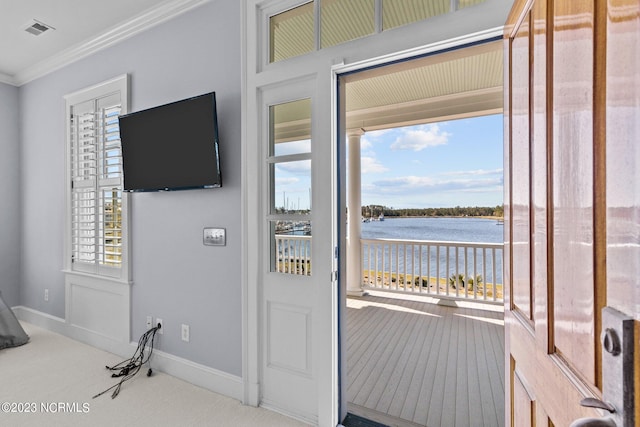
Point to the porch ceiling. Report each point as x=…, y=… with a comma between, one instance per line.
x=452, y=85
x=457, y=84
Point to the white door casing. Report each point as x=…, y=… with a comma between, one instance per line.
x=283, y=312
x=291, y=330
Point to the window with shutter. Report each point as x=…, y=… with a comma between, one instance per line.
x=97, y=208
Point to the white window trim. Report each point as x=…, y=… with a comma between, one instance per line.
x=117, y=84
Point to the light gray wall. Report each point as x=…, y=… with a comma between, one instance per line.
x=175, y=277
x=9, y=196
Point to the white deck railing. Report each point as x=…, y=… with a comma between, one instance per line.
x=457, y=270
x=293, y=254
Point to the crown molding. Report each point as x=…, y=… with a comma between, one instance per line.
x=8, y=79
x=117, y=34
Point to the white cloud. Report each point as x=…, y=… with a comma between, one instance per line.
x=369, y=138
x=287, y=181
x=420, y=137
x=371, y=165
x=378, y=133
x=365, y=143
x=302, y=167
x=476, y=172
x=429, y=185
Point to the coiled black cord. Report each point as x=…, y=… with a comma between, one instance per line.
x=128, y=368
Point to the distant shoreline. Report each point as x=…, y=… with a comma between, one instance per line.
x=495, y=218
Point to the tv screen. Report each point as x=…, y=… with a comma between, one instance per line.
x=172, y=147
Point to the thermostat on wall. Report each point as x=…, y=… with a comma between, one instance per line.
x=214, y=237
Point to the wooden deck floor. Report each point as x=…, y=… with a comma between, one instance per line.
x=414, y=363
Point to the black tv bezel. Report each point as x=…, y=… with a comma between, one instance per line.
x=215, y=145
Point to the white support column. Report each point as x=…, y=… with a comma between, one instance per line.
x=354, y=217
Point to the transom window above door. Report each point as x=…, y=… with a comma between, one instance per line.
x=319, y=24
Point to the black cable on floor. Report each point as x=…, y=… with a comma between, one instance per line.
x=128, y=368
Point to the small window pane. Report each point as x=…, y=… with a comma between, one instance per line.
x=290, y=128
x=291, y=187
x=291, y=247
x=111, y=227
x=401, y=12
x=83, y=238
x=291, y=33
x=292, y=147
x=83, y=148
x=110, y=150
x=344, y=20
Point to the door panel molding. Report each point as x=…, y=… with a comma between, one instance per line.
x=573, y=67
x=293, y=322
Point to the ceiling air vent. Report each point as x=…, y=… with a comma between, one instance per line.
x=36, y=27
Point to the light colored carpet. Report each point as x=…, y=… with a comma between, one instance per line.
x=52, y=369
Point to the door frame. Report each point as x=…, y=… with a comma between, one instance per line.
x=260, y=77
x=338, y=121
x=455, y=29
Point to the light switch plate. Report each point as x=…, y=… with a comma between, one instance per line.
x=214, y=236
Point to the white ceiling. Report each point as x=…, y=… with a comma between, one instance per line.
x=81, y=28
x=462, y=83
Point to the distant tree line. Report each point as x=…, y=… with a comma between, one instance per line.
x=376, y=210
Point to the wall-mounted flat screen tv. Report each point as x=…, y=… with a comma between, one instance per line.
x=172, y=147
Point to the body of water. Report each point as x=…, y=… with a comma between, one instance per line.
x=480, y=230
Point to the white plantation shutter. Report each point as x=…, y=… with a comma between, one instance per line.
x=96, y=198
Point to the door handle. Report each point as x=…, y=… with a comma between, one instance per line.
x=594, y=422
x=618, y=369
x=591, y=402
x=617, y=373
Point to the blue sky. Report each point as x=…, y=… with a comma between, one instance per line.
x=453, y=163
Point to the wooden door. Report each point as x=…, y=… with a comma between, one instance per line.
x=572, y=201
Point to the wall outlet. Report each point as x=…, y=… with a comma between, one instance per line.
x=159, y=322
x=46, y=294
x=185, y=332
x=149, y=322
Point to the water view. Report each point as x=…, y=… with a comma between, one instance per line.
x=412, y=252
x=480, y=230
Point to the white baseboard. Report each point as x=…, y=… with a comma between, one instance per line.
x=40, y=319
x=62, y=327
x=186, y=370
x=197, y=374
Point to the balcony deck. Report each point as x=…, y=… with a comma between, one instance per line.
x=417, y=363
